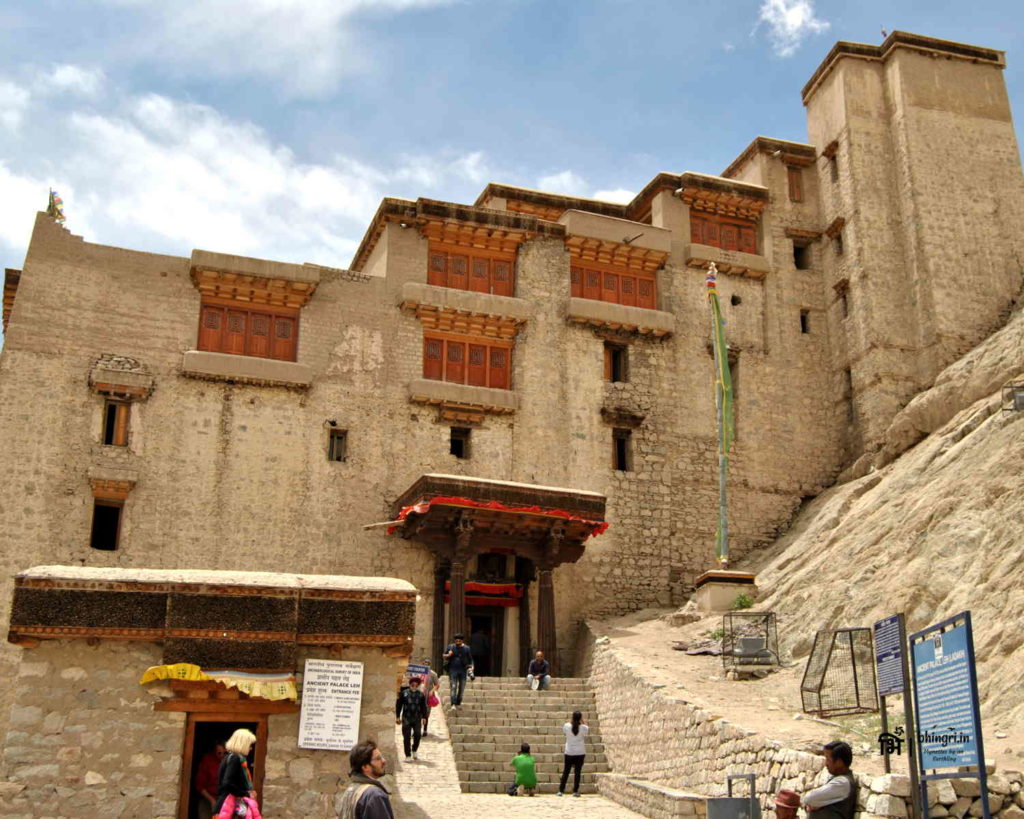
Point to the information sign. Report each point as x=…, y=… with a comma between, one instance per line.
x=889, y=657
x=947, y=719
x=415, y=670
x=331, y=694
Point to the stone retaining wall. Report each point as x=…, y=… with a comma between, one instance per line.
x=651, y=734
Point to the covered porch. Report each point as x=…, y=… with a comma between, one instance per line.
x=496, y=545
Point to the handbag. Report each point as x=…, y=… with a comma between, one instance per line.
x=433, y=701
x=512, y=789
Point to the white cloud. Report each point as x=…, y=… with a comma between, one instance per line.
x=74, y=79
x=308, y=45
x=790, y=22
x=569, y=183
x=618, y=195
x=163, y=175
x=13, y=101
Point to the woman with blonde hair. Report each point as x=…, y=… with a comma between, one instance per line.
x=235, y=778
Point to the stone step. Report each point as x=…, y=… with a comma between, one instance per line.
x=542, y=776
x=512, y=748
x=499, y=787
x=472, y=704
x=544, y=758
x=460, y=728
x=514, y=718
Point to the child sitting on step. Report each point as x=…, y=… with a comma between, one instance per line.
x=526, y=770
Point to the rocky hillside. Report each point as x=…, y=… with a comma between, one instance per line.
x=935, y=526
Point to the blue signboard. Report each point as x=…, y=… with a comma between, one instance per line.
x=889, y=657
x=948, y=723
x=415, y=670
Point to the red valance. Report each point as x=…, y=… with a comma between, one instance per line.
x=597, y=527
x=504, y=602
x=507, y=589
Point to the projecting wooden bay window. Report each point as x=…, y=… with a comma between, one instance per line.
x=628, y=287
x=480, y=271
x=476, y=362
x=723, y=232
x=248, y=330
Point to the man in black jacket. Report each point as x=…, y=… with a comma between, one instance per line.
x=366, y=797
x=411, y=713
x=460, y=663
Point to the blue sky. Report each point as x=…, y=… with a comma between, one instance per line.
x=272, y=128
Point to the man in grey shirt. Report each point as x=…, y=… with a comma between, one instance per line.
x=837, y=798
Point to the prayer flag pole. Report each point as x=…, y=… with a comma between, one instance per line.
x=724, y=409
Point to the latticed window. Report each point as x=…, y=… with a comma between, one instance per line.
x=723, y=231
x=462, y=360
x=478, y=270
x=629, y=287
x=243, y=330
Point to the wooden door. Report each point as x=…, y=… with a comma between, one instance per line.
x=433, y=362
x=211, y=328
x=190, y=751
x=498, y=374
x=455, y=362
x=285, y=338
x=627, y=290
x=477, y=370
x=234, y=332
x=259, y=335
x=610, y=287
x=591, y=284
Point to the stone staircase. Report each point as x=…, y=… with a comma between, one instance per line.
x=499, y=713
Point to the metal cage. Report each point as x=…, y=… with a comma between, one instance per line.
x=840, y=674
x=749, y=638
x=1013, y=397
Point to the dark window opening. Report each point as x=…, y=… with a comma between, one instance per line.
x=848, y=393
x=843, y=293
x=337, y=445
x=115, y=424
x=622, y=459
x=459, y=445
x=805, y=322
x=735, y=300
x=801, y=256
x=837, y=243
x=106, y=525
x=833, y=167
x=616, y=362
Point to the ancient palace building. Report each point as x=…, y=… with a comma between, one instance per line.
x=488, y=387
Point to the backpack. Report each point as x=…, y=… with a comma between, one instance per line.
x=350, y=799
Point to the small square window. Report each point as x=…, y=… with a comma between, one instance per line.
x=622, y=455
x=616, y=362
x=801, y=256
x=106, y=525
x=337, y=444
x=115, y=423
x=459, y=442
x=833, y=167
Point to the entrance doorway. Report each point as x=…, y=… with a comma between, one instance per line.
x=487, y=639
x=203, y=731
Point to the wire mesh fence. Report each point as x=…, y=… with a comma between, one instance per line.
x=840, y=674
x=749, y=638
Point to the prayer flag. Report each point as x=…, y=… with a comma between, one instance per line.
x=55, y=208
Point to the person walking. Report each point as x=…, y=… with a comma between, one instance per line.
x=460, y=664
x=234, y=778
x=432, y=689
x=366, y=797
x=526, y=770
x=575, y=751
x=410, y=713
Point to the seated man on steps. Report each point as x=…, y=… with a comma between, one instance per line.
x=538, y=675
x=837, y=798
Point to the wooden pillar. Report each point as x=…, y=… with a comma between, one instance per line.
x=546, y=617
x=525, y=643
x=460, y=556
x=438, y=637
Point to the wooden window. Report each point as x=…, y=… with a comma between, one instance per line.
x=480, y=271
x=115, y=423
x=723, y=231
x=796, y=184
x=622, y=456
x=337, y=444
x=616, y=362
x=106, y=524
x=458, y=444
x=261, y=332
x=615, y=285
x=463, y=360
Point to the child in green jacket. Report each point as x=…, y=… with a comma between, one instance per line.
x=526, y=770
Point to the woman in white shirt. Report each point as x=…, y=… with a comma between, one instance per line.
x=575, y=733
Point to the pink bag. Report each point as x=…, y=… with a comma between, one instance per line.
x=227, y=810
x=433, y=701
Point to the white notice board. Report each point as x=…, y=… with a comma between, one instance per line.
x=331, y=692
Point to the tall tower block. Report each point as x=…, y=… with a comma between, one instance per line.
x=923, y=205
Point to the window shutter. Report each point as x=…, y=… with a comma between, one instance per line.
x=121, y=424
x=501, y=278
x=284, y=342
x=477, y=365
x=610, y=291
x=607, y=363
x=234, y=335
x=627, y=290
x=748, y=240
x=646, y=296
x=259, y=335
x=480, y=281
x=433, y=366
x=499, y=379
x=437, y=269
x=730, y=237
x=211, y=328
x=458, y=272
x=576, y=282
x=796, y=185
x=455, y=366
x=591, y=284
x=697, y=229
x=711, y=233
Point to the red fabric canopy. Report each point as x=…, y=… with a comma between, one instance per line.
x=507, y=589
x=597, y=527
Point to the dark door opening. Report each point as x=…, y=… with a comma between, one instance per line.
x=202, y=735
x=486, y=639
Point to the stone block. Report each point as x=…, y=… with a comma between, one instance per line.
x=1012, y=812
x=301, y=770
x=966, y=787
x=961, y=806
x=994, y=804
x=94, y=778
x=884, y=804
x=997, y=783
x=937, y=812
x=941, y=792
x=896, y=784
